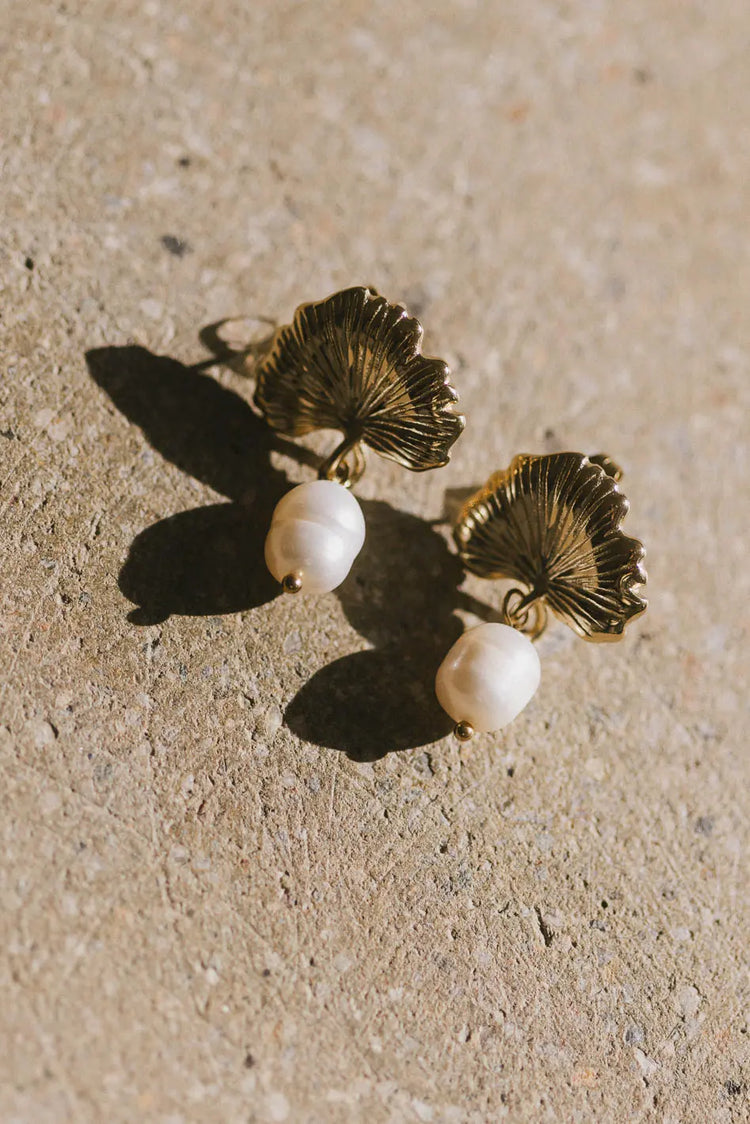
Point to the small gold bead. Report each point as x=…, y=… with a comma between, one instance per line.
x=292, y=583
x=463, y=731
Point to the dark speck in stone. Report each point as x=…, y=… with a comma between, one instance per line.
x=734, y=1088
x=175, y=245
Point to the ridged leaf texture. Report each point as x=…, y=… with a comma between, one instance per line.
x=553, y=523
x=353, y=362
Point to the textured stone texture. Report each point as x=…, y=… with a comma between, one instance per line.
x=245, y=875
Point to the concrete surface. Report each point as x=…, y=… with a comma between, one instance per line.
x=246, y=876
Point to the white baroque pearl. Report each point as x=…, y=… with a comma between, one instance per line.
x=316, y=532
x=488, y=676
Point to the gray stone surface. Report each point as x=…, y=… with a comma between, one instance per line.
x=212, y=910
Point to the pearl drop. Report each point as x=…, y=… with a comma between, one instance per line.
x=488, y=676
x=317, y=531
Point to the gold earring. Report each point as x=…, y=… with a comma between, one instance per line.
x=551, y=523
x=352, y=362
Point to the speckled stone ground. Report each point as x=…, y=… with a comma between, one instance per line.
x=246, y=876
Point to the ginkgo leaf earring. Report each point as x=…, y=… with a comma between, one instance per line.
x=352, y=362
x=551, y=523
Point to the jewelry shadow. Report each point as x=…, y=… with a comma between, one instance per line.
x=400, y=595
x=209, y=560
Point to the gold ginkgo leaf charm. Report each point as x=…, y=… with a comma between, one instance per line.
x=553, y=524
x=353, y=362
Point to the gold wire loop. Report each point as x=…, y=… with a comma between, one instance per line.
x=240, y=359
x=528, y=614
x=610, y=466
x=346, y=464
